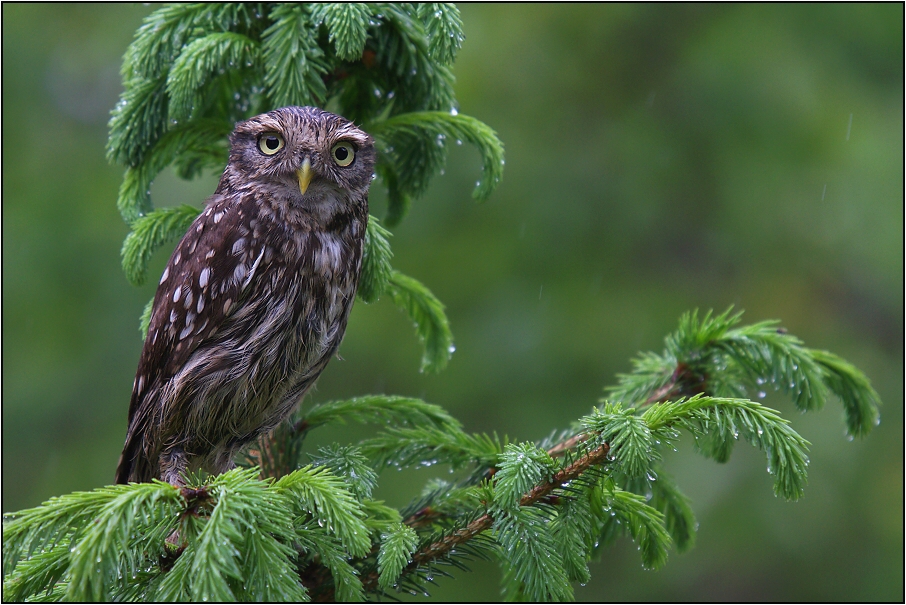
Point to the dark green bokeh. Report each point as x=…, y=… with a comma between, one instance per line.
x=659, y=158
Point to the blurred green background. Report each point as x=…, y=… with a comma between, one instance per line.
x=660, y=158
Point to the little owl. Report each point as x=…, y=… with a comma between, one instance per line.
x=254, y=301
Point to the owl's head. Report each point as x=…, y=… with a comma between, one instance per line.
x=303, y=154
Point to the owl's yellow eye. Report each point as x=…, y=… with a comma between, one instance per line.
x=343, y=153
x=270, y=143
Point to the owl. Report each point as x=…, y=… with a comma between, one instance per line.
x=254, y=301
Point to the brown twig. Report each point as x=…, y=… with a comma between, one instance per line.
x=428, y=515
x=447, y=543
x=684, y=381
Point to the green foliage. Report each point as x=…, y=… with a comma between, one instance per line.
x=430, y=445
x=520, y=468
x=397, y=545
x=376, y=269
x=709, y=356
x=347, y=26
x=150, y=232
x=427, y=313
x=715, y=423
x=536, y=569
x=415, y=146
x=293, y=61
x=630, y=513
x=444, y=28
x=382, y=409
x=542, y=510
x=194, y=70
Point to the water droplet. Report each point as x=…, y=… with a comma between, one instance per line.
x=454, y=111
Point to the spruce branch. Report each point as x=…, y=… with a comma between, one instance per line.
x=347, y=26
x=710, y=357
x=293, y=61
x=150, y=232
x=441, y=548
x=376, y=270
x=202, y=59
x=427, y=312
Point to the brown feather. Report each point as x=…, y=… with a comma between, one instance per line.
x=254, y=300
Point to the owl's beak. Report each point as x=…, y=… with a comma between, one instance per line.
x=305, y=174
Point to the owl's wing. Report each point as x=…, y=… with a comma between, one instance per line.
x=208, y=273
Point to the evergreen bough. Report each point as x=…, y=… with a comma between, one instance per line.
x=284, y=529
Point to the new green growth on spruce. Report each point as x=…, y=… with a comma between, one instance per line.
x=298, y=525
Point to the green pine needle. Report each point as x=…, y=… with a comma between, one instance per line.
x=380, y=409
x=415, y=144
x=149, y=233
x=202, y=59
x=427, y=312
x=397, y=545
x=318, y=492
x=376, y=269
x=347, y=26
x=444, y=27
x=293, y=61
x=725, y=420
x=520, y=468
x=533, y=567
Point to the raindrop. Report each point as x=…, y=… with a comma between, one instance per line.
x=458, y=142
x=762, y=394
x=451, y=349
x=454, y=111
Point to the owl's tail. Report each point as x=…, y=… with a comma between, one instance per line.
x=134, y=466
